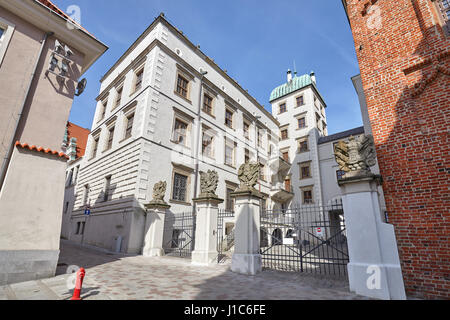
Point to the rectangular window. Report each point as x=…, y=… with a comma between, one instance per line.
x=179, y=187
x=229, y=205
x=307, y=197
x=180, y=132
x=246, y=130
x=207, y=145
x=118, y=97
x=110, y=138
x=283, y=108
x=247, y=156
x=305, y=171
x=301, y=122
x=138, y=81
x=107, y=188
x=207, y=104
x=262, y=172
x=83, y=224
x=317, y=120
x=66, y=207
x=300, y=101
x=95, y=146
x=129, y=126
x=70, y=178
x=229, y=152
x=284, y=134
x=287, y=185
x=77, y=171
x=229, y=118
x=78, y=228
x=182, y=86
x=303, y=145
x=285, y=156
x=103, y=105
x=260, y=137
x=86, y=195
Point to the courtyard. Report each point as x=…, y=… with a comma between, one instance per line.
x=125, y=277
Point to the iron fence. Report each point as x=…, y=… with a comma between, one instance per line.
x=225, y=235
x=179, y=234
x=310, y=238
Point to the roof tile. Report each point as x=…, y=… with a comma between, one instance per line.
x=40, y=149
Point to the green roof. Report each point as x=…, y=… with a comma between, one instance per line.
x=287, y=88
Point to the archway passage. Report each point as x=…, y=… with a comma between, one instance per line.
x=277, y=237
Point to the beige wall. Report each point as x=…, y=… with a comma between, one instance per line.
x=27, y=210
x=49, y=101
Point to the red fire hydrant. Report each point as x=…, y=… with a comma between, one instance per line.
x=78, y=284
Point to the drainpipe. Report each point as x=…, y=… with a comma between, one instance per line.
x=196, y=151
x=197, y=142
x=7, y=158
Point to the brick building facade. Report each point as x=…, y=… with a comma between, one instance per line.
x=403, y=49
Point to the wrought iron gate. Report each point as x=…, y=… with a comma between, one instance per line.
x=305, y=239
x=225, y=235
x=179, y=234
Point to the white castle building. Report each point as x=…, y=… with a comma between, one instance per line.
x=167, y=112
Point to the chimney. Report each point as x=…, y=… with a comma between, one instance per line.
x=289, y=75
x=313, y=77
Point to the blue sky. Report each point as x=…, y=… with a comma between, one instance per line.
x=256, y=41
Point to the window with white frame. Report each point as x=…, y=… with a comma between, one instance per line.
x=230, y=150
x=109, y=143
x=95, y=142
x=208, y=144
x=180, y=132
x=6, y=32
x=129, y=125
x=119, y=92
x=103, y=105
x=106, y=195
x=138, y=79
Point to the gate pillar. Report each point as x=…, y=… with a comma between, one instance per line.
x=246, y=257
x=205, y=251
x=374, y=269
x=154, y=229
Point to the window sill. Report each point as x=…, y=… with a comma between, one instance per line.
x=183, y=97
x=180, y=202
x=209, y=114
x=125, y=139
x=180, y=144
x=229, y=165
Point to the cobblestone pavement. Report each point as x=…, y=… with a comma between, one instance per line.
x=124, y=277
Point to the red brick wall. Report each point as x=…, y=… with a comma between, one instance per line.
x=405, y=63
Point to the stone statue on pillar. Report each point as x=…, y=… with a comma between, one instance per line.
x=248, y=175
x=154, y=222
x=159, y=191
x=208, y=184
x=205, y=252
x=356, y=156
x=376, y=247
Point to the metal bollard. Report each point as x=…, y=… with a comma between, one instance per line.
x=78, y=285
